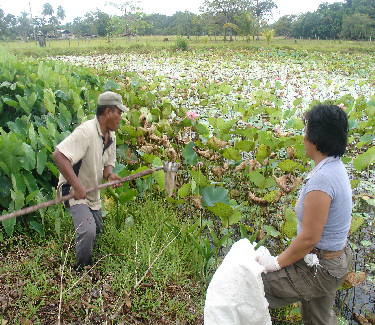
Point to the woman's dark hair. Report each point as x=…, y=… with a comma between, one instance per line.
x=100, y=109
x=327, y=128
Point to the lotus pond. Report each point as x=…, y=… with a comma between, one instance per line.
x=268, y=89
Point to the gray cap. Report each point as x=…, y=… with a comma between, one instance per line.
x=111, y=98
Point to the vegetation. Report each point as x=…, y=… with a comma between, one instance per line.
x=351, y=19
x=232, y=118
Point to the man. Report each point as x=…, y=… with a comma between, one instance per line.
x=84, y=158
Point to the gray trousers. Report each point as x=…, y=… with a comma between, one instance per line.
x=315, y=288
x=87, y=223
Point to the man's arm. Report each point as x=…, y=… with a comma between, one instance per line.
x=65, y=167
x=110, y=176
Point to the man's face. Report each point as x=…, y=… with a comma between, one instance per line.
x=113, y=118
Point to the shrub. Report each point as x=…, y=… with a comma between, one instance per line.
x=182, y=44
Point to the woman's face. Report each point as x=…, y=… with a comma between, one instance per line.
x=309, y=146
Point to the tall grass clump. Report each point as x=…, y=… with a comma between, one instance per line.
x=182, y=44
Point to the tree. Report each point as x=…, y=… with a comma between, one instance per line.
x=227, y=9
x=283, y=27
x=102, y=22
x=358, y=26
x=157, y=24
x=82, y=27
x=47, y=10
x=268, y=35
x=182, y=23
x=24, y=27
x=330, y=16
x=60, y=14
x=131, y=17
x=262, y=9
x=247, y=25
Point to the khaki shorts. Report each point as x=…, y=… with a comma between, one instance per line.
x=314, y=287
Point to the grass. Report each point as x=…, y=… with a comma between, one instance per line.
x=171, y=291
x=147, y=44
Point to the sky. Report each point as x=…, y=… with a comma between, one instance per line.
x=78, y=8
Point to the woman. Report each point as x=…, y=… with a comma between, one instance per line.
x=324, y=215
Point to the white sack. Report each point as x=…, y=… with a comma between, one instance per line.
x=235, y=295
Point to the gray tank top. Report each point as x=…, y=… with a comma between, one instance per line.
x=330, y=177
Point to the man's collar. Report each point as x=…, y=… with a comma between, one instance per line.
x=98, y=127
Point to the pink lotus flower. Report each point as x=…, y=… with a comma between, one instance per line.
x=192, y=115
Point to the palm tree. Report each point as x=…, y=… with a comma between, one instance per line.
x=247, y=26
x=268, y=34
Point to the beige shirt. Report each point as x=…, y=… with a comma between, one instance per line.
x=85, y=150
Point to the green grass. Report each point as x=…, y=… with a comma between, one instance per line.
x=147, y=44
x=171, y=291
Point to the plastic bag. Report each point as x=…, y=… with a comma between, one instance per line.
x=235, y=295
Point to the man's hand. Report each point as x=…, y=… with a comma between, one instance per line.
x=264, y=258
x=79, y=191
x=113, y=177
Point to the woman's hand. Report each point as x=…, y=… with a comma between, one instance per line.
x=264, y=258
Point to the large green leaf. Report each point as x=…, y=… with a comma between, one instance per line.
x=189, y=154
x=9, y=225
x=111, y=85
x=49, y=100
x=159, y=177
x=222, y=210
x=64, y=117
x=199, y=178
x=31, y=100
x=263, y=152
x=9, y=101
x=260, y=180
x=245, y=145
x=290, y=225
x=365, y=159
x=23, y=103
x=11, y=151
x=232, y=154
x=128, y=195
x=212, y=195
x=41, y=161
x=184, y=190
x=216, y=122
x=37, y=226
x=288, y=165
x=29, y=159
x=202, y=129
x=32, y=136
x=357, y=221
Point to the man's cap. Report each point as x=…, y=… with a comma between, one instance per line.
x=111, y=98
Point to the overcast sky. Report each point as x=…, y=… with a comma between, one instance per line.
x=77, y=8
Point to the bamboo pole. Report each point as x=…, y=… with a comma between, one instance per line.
x=33, y=208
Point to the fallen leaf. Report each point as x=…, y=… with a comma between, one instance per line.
x=353, y=279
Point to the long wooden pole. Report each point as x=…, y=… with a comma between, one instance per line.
x=69, y=196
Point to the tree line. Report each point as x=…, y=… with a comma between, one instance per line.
x=351, y=19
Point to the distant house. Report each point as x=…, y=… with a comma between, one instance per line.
x=64, y=34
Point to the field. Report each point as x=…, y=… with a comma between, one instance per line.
x=230, y=113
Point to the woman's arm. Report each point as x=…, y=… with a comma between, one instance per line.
x=315, y=215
